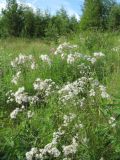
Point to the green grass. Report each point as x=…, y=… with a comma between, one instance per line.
x=20, y=135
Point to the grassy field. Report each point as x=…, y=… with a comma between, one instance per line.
x=60, y=100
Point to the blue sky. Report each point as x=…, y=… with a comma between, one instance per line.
x=72, y=6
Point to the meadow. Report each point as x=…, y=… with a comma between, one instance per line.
x=60, y=100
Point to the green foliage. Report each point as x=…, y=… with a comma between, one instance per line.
x=99, y=14
x=114, y=18
x=18, y=136
x=12, y=18
x=19, y=20
x=92, y=14
x=28, y=28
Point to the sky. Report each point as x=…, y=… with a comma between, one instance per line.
x=72, y=6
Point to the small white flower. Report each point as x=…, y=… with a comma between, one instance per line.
x=33, y=66
x=112, y=121
x=98, y=54
x=29, y=156
x=93, y=60
x=70, y=59
x=92, y=93
x=45, y=58
x=70, y=149
x=14, y=113
x=55, y=152
x=16, y=78
x=30, y=114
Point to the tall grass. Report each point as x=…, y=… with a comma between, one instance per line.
x=98, y=139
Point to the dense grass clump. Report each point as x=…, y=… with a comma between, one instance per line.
x=60, y=101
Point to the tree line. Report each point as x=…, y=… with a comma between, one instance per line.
x=100, y=14
x=19, y=20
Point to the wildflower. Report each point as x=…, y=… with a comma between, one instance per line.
x=85, y=140
x=92, y=60
x=20, y=96
x=46, y=86
x=33, y=66
x=30, y=114
x=104, y=94
x=98, y=54
x=68, y=118
x=71, y=90
x=80, y=125
x=70, y=59
x=92, y=93
x=112, y=121
x=16, y=77
x=14, y=113
x=31, y=153
x=63, y=46
x=33, y=99
x=45, y=58
x=55, y=152
x=29, y=156
x=70, y=149
x=21, y=59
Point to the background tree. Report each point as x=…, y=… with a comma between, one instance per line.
x=28, y=29
x=73, y=24
x=13, y=18
x=114, y=18
x=95, y=14
x=61, y=21
x=92, y=14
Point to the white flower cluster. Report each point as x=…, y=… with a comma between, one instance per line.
x=75, y=56
x=112, y=121
x=71, y=58
x=31, y=153
x=14, y=113
x=68, y=118
x=104, y=94
x=10, y=96
x=21, y=96
x=45, y=58
x=71, y=90
x=92, y=93
x=70, y=149
x=91, y=59
x=34, y=99
x=51, y=148
x=16, y=78
x=30, y=114
x=22, y=59
x=44, y=86
x=98, y=54
x=116, y=49
x=96, y=87
x=63, y=46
